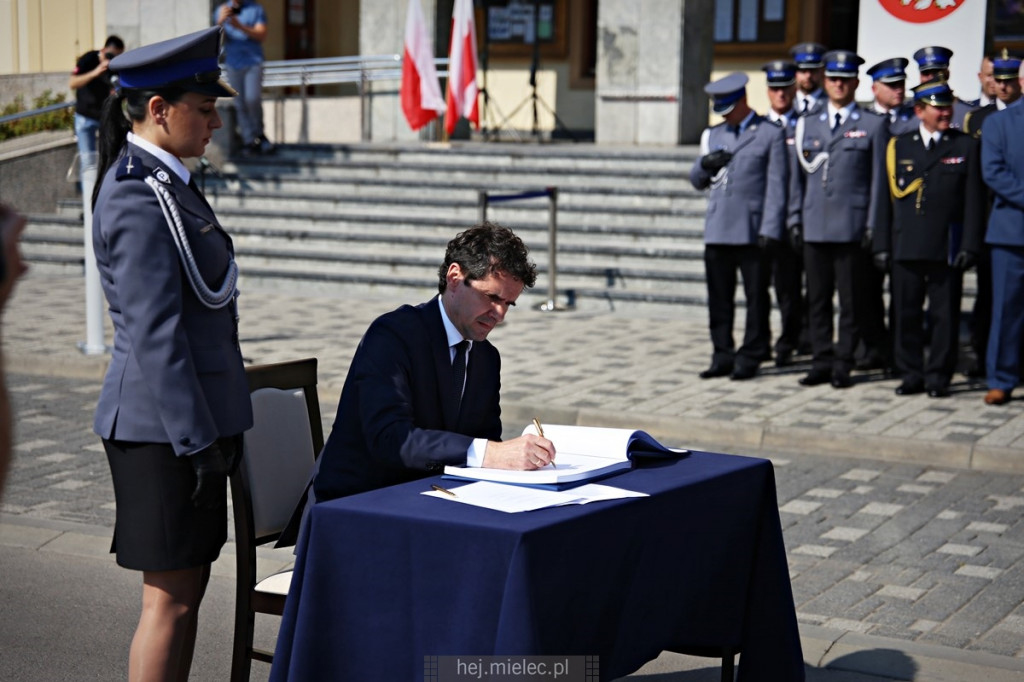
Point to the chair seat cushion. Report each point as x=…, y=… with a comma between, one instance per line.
x=276, y=584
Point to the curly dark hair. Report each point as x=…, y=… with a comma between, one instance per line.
x=486, y=249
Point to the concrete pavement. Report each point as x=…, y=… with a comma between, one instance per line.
x=901, y=515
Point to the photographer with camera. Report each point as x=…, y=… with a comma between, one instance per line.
x=245, y=29
x=91, y=83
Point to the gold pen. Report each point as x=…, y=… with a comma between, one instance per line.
x=540, y=432
x=443, y=490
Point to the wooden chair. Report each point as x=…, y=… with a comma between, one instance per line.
x=279, y=454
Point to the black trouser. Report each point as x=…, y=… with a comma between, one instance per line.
x=871, y=316
x=788, y=279
x=721, y=262
x=912, y=281
x=981, y=315
x=831, y=267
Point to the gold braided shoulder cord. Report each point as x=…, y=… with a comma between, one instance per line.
x=917, y=185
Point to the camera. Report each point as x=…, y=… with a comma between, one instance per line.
x=109, y=55
x=235, y=9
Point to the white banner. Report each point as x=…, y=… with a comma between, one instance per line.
x=899, y=28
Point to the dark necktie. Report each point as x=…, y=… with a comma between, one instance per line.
x=733, y=130
x=930, y=144
x=459, y=370
x=803, y=106
x=839, y=121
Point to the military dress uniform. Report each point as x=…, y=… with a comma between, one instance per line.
x=809, y=56
x=175, y=393
x=746, y=201
x=842, y=183
x=930, y=234
x=786, y=256
x=902, y=119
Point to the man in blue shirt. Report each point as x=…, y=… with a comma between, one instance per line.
x=245, y=29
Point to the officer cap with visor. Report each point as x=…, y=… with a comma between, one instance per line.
x=189, y=62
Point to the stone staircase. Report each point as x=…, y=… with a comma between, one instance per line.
x=336, y=218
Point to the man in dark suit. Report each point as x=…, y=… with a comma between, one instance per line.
x=743, y=165
x=840, y=152
x=1002, y=167
x=929, y=237
x=422, y=390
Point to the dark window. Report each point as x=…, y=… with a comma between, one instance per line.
x=750, y=21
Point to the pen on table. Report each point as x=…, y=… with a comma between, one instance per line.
x=443, y=490
x=540, y=432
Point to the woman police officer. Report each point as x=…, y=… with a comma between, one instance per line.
x=175, y=400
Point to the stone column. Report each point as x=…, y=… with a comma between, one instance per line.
x=382, y=31
x=653, y=60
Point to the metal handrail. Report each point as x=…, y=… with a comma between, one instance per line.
x=35, y=112
x=362, y=70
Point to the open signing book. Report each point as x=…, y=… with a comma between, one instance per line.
x=582, y=453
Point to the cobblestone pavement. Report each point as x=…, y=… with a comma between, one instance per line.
x=901, y=516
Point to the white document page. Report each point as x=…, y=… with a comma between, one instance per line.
x=506, y=498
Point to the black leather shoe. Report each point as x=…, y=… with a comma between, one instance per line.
x=841, y=380
x=716, y=370
x=938, y=392
x=816, y=377
x=783, y=358
x=909, y=388
x=744, y=373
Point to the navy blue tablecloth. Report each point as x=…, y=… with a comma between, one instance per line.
x=385, y=578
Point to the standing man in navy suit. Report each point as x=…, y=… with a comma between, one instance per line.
x=743, y=162
x=1002, y=167
x=840, y=152
x=422, y=390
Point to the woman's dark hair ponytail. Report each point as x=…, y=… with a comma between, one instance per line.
x=119, y=112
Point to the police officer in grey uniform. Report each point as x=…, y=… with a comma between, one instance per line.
x=743, y=164
x=889, y=79
x=810, y=69
x=933, y=63
x=840, y=153
x=786, y=256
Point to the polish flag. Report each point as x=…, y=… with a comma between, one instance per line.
x=462, y=91
x=420, y=91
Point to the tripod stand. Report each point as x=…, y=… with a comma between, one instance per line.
x=533, y=98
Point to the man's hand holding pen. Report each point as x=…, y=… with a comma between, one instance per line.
x=524, y=453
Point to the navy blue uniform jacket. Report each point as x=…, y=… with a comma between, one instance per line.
x=176, y=373
x=396, y=420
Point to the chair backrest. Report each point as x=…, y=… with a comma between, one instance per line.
x=280, y=448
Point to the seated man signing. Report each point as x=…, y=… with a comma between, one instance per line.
x=407, y=409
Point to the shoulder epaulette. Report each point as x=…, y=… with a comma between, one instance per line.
x=131, y=167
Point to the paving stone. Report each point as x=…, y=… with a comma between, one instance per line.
x=986, y=572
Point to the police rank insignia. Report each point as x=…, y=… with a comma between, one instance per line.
x=162, y=176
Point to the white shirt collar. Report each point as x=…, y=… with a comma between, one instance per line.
x=173, y=162
x=844, y=113
x=925, y=135
x=450, y=331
